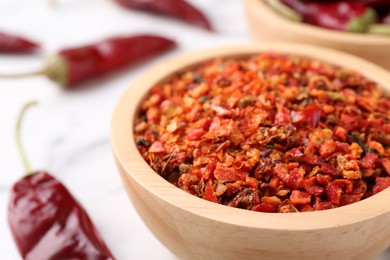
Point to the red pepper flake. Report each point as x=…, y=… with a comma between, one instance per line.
x=330, y=170
x=327, y=148
x=282, y=117
x=345, y=185
x=340, y=133
x=209, y=193
x=263, y=207
x=194, y=134
x=333, y=192
x=268, y=133
x=312, y=114
x=312, y=186
x=386, y=165
x=229, y=174
x=313, y=159
x=323, y=179
x=346, y=199
x=157, y=147
x=323, y=205
x=368, y=162
x=246, y=199
x=381, y=183
x=300, y=197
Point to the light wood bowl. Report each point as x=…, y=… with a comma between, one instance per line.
x=267, y=25
x=193, y=228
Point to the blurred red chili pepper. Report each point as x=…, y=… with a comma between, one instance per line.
x=340, y=16
x=72, y=66
x=179, y=9
x=47, y=222
x=14, y=44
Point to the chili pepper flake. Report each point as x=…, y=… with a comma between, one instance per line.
x=269, y=133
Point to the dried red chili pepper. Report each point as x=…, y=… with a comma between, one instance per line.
x=179, y=9
x=47, y=222
x=70, y=67
x=342, y=16
x=15, y=44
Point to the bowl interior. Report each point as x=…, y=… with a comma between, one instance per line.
x=138, y=170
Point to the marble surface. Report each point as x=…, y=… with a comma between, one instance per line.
x=68, y=133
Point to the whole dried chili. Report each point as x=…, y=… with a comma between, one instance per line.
x=268, y=133
x=342, y=16
x=15, y=44
x=70, y=67
x=179, y=9
x=47, y=222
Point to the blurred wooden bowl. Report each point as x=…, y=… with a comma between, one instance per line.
x=268, y=25
x=193, y=228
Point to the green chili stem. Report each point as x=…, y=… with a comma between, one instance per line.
x=361, y=23
x=23, y=74
x=26, y=164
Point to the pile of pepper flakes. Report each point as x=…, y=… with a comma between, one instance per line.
x=269, y=133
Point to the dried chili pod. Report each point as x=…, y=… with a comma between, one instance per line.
x=47, y=222
x=342, y=16
x=10, y=43
x=72, y=66
x=178, y=9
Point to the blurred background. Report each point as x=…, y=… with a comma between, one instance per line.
x=68, y=132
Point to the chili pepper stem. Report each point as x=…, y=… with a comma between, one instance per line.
x=55, y=69
x=40, y=72
x=26, y=164
x=362, y=23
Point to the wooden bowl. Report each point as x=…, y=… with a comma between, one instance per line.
x=193, y=228
x=268, y=25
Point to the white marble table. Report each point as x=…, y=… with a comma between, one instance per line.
x=68, y=134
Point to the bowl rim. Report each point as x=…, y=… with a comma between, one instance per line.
x=264, y=10
x=137, y=170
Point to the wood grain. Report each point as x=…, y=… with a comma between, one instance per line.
x=193, y=228
x=267, y=25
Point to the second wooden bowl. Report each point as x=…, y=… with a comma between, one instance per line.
x=268, y=25
x=193, y=228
